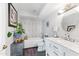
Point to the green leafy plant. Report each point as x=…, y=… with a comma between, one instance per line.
x=9, y=34
x=19, y=29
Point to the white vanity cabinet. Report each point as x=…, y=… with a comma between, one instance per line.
x=55, y=49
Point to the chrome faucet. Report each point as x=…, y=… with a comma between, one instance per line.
x=67, y=37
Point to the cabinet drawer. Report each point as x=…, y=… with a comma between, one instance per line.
x=55, y=46
x=54, y=53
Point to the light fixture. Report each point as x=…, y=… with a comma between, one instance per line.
x=67, y=7
x=60, y=12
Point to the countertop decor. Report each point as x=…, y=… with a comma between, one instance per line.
x=19, y=31
x=9, y=34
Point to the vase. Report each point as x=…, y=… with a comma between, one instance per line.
x=16, y=35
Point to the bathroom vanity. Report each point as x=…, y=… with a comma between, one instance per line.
x=68, y=30
x=61, y=47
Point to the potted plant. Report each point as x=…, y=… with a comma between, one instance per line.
x=19, y=31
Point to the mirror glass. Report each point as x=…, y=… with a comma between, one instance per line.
x=70, y=21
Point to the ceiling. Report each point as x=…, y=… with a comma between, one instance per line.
x=35, y=10
x=29, y=8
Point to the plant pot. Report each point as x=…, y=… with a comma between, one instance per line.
x=17, y=35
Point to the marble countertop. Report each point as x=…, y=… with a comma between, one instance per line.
x=70, y=45
x=32, y=42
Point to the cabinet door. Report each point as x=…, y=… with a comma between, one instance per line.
x=53, y=49
x=48, y=47
x=56, y=49
x=17, y=49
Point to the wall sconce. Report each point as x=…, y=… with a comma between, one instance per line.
x=47, y=24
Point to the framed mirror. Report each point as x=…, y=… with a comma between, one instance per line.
x=69, y=21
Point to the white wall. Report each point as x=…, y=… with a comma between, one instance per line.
x=2, y=25
x=49, y=14
x=52, y=19
x=32, y=26
x=4, y=28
